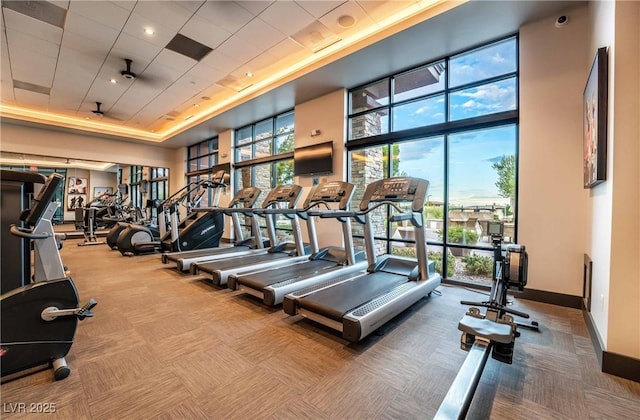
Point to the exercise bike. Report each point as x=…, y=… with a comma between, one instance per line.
x=39, y=319
x=493, y=332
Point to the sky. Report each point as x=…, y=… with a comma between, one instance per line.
x=471, y=154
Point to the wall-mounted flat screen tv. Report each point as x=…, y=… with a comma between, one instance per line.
x=313, y=160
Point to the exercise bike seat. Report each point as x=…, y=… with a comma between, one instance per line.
x=485, y=328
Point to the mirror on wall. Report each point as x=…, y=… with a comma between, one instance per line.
x=95, y=183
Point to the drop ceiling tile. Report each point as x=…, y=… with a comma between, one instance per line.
x=33, y=27
x=125, y=4
x=141, y=51
x=260, y=34
x=286, y=48
x=256, y=7
x=136, y=24
x=32, y=67
x=178, y=63
x=19, y=41
x=287, y=16
x=191, y=6
x=134, y=99
x=201, y=30
x=199, y=77
x=6, y=81
x=31, y=99
x=166, y=13
x=78, y=25
x=239, y=49
x=108, y=14
x=380, y=10
x=353, y=9
x=319, y=8
x=225, y=14
x=221, y=62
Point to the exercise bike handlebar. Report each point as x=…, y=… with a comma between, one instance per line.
x=26, y=233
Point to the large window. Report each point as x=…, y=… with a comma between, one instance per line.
x=159, y=183
x=454, y=122
x=137, y=187
x=202, y=163
x=264, y=158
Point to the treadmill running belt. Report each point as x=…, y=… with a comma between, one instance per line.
x=226, y=264
x=262, y=279
x=334, y=302
x=207, y=252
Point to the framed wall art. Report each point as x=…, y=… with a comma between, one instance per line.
x=595, y=121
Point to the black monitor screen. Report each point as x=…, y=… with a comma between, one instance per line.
x=41, y=202
x=313, y=160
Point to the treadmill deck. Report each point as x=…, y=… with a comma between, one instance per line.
x=334, y=302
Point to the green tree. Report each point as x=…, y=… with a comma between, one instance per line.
x=506, y=183
x=284, y=169
x=395, y=161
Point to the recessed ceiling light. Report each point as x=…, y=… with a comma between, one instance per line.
x=114, y=81
x=205, y=98
x=196, y=105
x=346, y=21
x=149, y=31
x=248, y=74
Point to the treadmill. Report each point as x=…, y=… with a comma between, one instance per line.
x=241, y=204
x=272, y=285
x=359, y=305
x=283, y=253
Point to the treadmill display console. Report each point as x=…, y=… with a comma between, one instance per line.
x=246, y=196
x=283, y=193
x=400, y=189
x=332, y=192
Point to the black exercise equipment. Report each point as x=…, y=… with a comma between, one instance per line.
x=271, y=285
x=279, y=254
x=16, y=190
x=39, y=319
x=202, y=228
x=493, y=332
x=86, y=220
x=357, y=305
x=241, y=204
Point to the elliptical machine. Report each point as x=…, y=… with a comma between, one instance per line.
x=39, y=319
x=493, y=332
x=200, y=229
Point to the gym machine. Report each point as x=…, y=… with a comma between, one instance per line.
x=357, y=305
x=271, y=285
x=493, y=332
x=241, y=204
x=39, y=319
x=17, y=189
x=86, y=220
x=278, y=255
x=200, y=229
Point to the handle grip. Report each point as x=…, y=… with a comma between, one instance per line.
x=26, y=233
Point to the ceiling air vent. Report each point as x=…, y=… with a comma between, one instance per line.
x=41, y=10
x=188, y=47
x=17, y=84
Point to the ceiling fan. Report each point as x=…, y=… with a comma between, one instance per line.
x=146, y=78
x=128, y=74
x=100, y=113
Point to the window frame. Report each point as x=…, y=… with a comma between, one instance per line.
x=445, y=129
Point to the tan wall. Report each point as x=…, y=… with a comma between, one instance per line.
x=38, y=141
x=624, y=283
x=327, y=114
x=552, y=217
